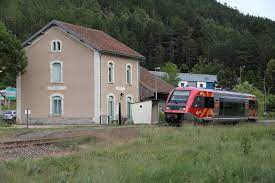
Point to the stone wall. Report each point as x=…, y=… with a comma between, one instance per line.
x=64, y=121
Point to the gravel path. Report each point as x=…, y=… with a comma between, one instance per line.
x=267, y=121
x=30, y=152
x=121, y=132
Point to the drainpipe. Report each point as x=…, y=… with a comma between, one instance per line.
x=100, y=117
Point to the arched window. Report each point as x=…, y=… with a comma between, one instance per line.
x=56, y=105
x=111, y=72
x=129, y=74
x=56, y=72
x=111, y=107
x=56, y=46
x=129, y=101
x=57, y=109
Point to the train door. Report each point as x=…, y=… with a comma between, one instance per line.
x=246, y=108
x=252, y=108
x=221, y=108
x=216, y=107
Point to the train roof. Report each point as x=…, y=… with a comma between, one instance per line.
x=217, y=91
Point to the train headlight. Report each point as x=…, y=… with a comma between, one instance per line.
x=182, y=108
x=168, y=108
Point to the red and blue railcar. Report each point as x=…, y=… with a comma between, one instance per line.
x=204, y=106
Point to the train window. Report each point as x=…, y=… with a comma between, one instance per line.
x=203, y=102
x=209, y=102
x=234, y=108
x=198, y=102
x=179, y=96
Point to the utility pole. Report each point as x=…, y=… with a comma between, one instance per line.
x=156, y=82
x=265, y=96
x=241, y=70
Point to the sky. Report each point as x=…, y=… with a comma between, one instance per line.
x=262, y=8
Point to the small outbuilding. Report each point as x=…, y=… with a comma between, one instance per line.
x=146, y=112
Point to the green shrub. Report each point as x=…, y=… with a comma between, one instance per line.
x=271, y=103
x=4, y=123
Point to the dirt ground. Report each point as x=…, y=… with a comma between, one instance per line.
x=73, y=140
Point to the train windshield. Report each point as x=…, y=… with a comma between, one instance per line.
x=179, y=97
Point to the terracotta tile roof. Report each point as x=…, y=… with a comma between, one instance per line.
x=102, y=41
x=93, y=38
x=148, y=80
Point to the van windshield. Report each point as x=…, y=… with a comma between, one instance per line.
x=179, y=97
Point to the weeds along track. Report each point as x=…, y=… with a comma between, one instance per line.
x=39, y=138
x=36, y=142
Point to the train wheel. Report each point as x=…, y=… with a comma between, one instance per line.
x=235, y=123
x=210, y=123
x=179, y=124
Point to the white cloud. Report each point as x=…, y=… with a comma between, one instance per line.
x=263, y=8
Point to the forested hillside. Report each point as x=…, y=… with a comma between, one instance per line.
x=185, y=32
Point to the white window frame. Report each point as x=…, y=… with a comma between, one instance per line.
x=111, y=95
x=51, y=71
x=113, y=75
x=131, y=74
x=201, y=83
x=183, y=82
x=51, y=103
x=55, y=42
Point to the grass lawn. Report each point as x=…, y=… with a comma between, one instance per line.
x=244, y=153
x=5, y=130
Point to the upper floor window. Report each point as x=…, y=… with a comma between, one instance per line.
x=56, y=46
x=111, y=72
x=56, y=72
x=129, y=74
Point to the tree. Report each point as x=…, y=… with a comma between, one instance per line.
x=246, y=87
x=227, y=78
x=250, y=76
x=270, y=76
x=182, y=31
x=171, y=75
x=202, y=67
x=271, y=103
x=12, y=57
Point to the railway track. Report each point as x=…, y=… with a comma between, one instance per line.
x=61, y=136
x=36, y=142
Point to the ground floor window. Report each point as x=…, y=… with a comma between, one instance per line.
x=111, y=108
x=57, y=106
x=129, y=109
